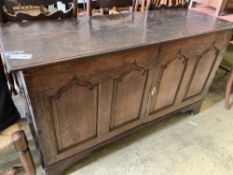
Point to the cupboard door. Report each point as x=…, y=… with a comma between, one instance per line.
x=82, y=103
x=202, y=66
x=127, y=95
x=75, y=113
x=167, y=80
x=66, y=109
x=130, y=90
x=181, y=62
x=166, y=89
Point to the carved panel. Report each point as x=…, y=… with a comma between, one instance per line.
x=170, y=78
x=204, y=64
x=127, y=97
x=75, y=113
x=19, y=16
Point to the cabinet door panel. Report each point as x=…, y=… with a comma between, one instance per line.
x=128, y=95
x=74, y=111
x=169, y=84
x=167, y=79
x=203, y=67
x=183, y=70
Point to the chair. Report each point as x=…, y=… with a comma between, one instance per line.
x=15, y=11
x=219, y=5
x=163, y=4
x=227, y=65
x=110, y=4
x=16, y=137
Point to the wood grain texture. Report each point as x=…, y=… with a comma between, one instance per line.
x=99, y=35
x=80, y=98
x=89, y=102
x=113, y=3
x=188, y=80
x=131, y=84
x=83, y=103
x=8, y=13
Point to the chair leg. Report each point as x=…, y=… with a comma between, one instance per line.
x=20, y=143
x=148, y=4
x=220, y=7
x=228, y=90
x=191, y=3
x=136, y=5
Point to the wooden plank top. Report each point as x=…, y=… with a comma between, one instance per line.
x=63, y=40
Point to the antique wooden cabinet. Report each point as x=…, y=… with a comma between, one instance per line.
x=97, y=80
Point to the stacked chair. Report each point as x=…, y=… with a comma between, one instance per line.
x=227, y=65
x=29, y=10
x=158, y=4
x=108, y=6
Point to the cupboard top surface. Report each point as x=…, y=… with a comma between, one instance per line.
x=63, y=40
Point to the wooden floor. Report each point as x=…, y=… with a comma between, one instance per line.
x=227, y=15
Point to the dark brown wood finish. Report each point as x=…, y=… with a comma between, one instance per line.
x=100, y=35
x=109, y=4
x=7, y=13
x=167, y=4
x=112, y=3
x=81, y=98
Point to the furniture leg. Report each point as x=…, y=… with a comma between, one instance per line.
x=194, y=108
x=20, y=143
x=148, y=4
x=136, y=5
x=60, y=167
x=75, y=8
x=192, y=3
x=228, y=90
x=53, y=171
x=143, y=6
x=220, y=7
x=89, y=8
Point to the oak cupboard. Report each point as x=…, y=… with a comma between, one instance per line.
x=90, y=88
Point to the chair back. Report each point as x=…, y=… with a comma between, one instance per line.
x=102, y=4
x=164, y=4
x=33, y=10
x=115, y=3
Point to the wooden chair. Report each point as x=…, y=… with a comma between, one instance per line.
x=13, y=11
x=16, y=137
x=219, y=5
x=163, y=4
x=110, y=4
x=227, y=65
